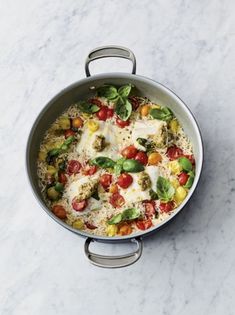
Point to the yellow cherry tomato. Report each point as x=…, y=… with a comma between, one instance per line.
x=175, y=183
x=174, y=125
x=93, y=125
x=144, y=110
x=180, y=194
x=111, y=230
x=78, y=224
x=175, y=167
x=156, y=106
x=154, y=158
x=51, y=170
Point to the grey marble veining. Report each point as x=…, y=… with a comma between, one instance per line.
x=187, y=268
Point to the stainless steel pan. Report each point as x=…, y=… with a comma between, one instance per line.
x=84, y=89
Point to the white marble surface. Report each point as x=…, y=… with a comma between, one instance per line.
x=187, y=268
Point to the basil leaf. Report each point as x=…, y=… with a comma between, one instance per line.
x=69, y=140
x=95, y=195
x=87, y=107
x=128, y=214
x=153, y=195
x=123, y=108
x=125, y=90
x=165, y=190
x=103, y=162
x=107, y=91
x=132, y=166
x=118, y=166
x=115, y=219
x=190, y=180
x=59, y=187
x=162, y=114
x=185, y=163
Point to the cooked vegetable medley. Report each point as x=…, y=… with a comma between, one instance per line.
x=115, y=164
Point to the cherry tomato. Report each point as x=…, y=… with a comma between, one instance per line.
x=106, y=180
x=113, y=189
x=144, y=224
x=124, y=229
x=73, y=167
x=90, y=170
x=191, y=158
x=62, y=178
x=183, y=177
x=150, y=210
x=77, y=122
x=59, y=211
x=174, y=153
x=79, y=205
x=116, y=200
x=95, y=101
x=90, y=225
x=166, y=206
x=129, y=152
x=122, y=123
x=142, y=158
x=102, y=114
x=110, y=112
x=125, y=180
x=135, y=102
x=69, y=133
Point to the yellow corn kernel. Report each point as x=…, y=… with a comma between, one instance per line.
x=174, y=125
x=175, y=183
x=111, y=230
x=51, y=170
x=175, y=167
x=42, y=155
x=180, y=194
x=78, y=224
x=156, y=106
x=93, y=125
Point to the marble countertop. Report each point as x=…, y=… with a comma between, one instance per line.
x=187, y=268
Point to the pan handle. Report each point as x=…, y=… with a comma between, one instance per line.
x=110, y=51
x=114, y=261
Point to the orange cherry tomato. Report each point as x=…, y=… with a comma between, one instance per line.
x=59, y=211
x=116, y=200
x=154, y=158
x=77, y=122
x=144, y=224
x=124, y=229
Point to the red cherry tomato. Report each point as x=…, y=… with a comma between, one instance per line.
x=110, y=112
x=142, y=158
x=59, y=211
x=90, y=170
x=106, y=180
x=122, y=123
x=69, y=133
x=183, y=178
x=79, y=205
x=129, y=152
x=62, y=178
x=102, y=114
x=116, y=200
x=124, y=180
x=73, y=167
x=150, y=210
x=191, y=158
x=144, y=224
x=135, y=102
x=166, y=206
x=174, y=153
x=95, y=101
x=90, y=225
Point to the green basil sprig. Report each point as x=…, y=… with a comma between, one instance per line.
x=63, y=147
x=165, y=190
x=126, y=215
x=108, y=91
x=185, y=164
x=132, y=166
x=88, y=108
x=103, y=162
x=123, y=108
x=163, y=113
x=118, y=166
x=190, y=180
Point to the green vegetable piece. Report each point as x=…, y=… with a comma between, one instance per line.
x=128, y=214
x=132, y=166
x=148, y=145
x=123, y=108
x=64, y=147
x=69, y=140
x=107, y=91
x=59, y=187
x=185, y=163
x=118, y=167
x=54, y=152
x=115, y=219
x=153, y=195
x=190, y=180
x=103, y=162
x=95, y=195
x=53, y=194
x=165, y=190
x=125, y=90
x=162, y=114
x=88, y=108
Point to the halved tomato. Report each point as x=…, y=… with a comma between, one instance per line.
x=79, y=205
x=174, y=152
x=150, y=210
x=116, y=200
x=73, y=167
x=144, y=224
